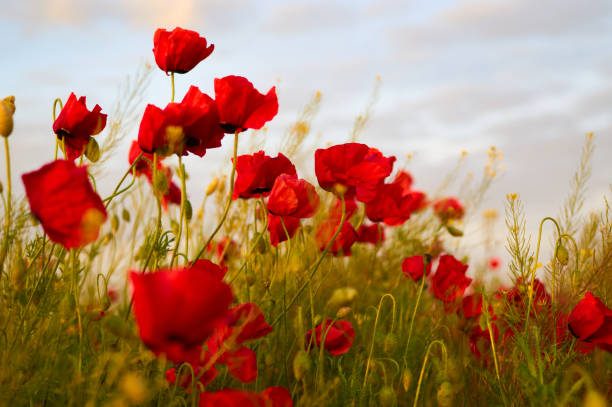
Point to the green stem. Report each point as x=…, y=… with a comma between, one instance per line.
x=365, y=377
x=229, y=200
x=7, y=214
x=172, y=83
x=116, y=192
x=318, y=262
x=420, y=382
x=182, y=211
x=416, y=307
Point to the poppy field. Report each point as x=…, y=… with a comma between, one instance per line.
x=346, y=287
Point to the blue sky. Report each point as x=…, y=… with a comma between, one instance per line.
x=529, y=77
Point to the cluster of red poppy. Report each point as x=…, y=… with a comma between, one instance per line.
x=208, y=332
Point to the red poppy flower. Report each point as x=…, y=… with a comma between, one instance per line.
x=291, y=196
x=591, y=322
x=277, y=231
x=404, y=179
x=343, y=242
x=479, y=334
x=75, y=125
x=256, y=174
x=374, y=234
x=243, y=323
x=63, y=200
x=189, y=126
x=564, y=335
x=275, y=396
x=448, y=208
x=142, y=166
x=414, y=266
x=389, y=206
x=356, y=166
x=450, y=281
x=494, y=263
x=204, y=377
x=241, y=106
x=177, y=310
x=471, y=306
x=179, y=50
x=338, y=336
x=225, y=248
x=519, y=297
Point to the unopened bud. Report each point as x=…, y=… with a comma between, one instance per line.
x=406, y=379
x=188, y=210
x=133, y=387
x=92, y=150
x=454, y=231
x=115, y=223
x=9, y=103
x=125, y=215
x=342, y=297
x=212, y=186
x=389, y=343
x=6, y=120
x=445, y=395
x=387, y=396
x=301, y=365
x=562, y=255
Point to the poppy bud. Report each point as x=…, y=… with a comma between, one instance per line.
x=342, y=297
x=174, y=226
x=387, y=396
x=221, y=185
x=445, y=395
x=9, y=103
x=115, y=223
x=406, y=379
x=125, y=215
x=594, y=399
x=562, y=255
x=454, y=231
x=92, y=150
x=161, y=183
x=389, y=343
x=212, y=186
x=107, y=239
x=301, y=365
x=188, y=210
x=6, y=119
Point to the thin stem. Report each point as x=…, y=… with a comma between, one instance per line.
x=229, y=200
x=418, y=390
x=416, y=307
x=182, y=211
x=365, y=377
x=535, y=267
x=116, y=192
x=7, y=214
x=318, y=262
x=172, y=82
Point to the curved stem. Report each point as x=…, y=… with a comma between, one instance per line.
x=365, y=377
x=116, y=192
x=229, y=200
x=418, y=390
x=535, y=267
x=182, y=211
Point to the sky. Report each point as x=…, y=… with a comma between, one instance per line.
x=529, y=77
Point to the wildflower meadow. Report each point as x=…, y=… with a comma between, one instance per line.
x=346, y=287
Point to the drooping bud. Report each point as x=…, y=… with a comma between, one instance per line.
x=92, y=150
x=454, y=231
x=562, y=255
x=125, y=215
x=406, y=379
x=115, y=223
x=445, y=395
x=212, y=186
x=188, y=210
x=387, y=396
